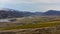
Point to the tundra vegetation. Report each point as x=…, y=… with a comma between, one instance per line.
x=32, y=25
x=33, y=22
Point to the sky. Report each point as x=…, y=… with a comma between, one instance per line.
x=31, y=5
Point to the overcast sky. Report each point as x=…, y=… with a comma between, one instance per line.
x=31, y=5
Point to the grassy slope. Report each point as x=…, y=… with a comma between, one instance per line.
x=32, y=26
x=45, y=23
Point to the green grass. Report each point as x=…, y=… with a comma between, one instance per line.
x=50, y=24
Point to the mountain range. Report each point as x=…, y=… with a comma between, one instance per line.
x=11, y=13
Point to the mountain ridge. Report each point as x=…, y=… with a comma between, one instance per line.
x=52, y=13
x=11, y=13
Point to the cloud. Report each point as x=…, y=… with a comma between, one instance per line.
x=47, y=1
x=42, y=1
x=31, y=5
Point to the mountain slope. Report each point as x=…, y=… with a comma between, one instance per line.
x=52, y=13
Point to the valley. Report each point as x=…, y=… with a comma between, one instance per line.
x=18, y=22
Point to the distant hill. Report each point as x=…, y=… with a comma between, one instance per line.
x=10, y=13
x=52, y=13
x=38, y=13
